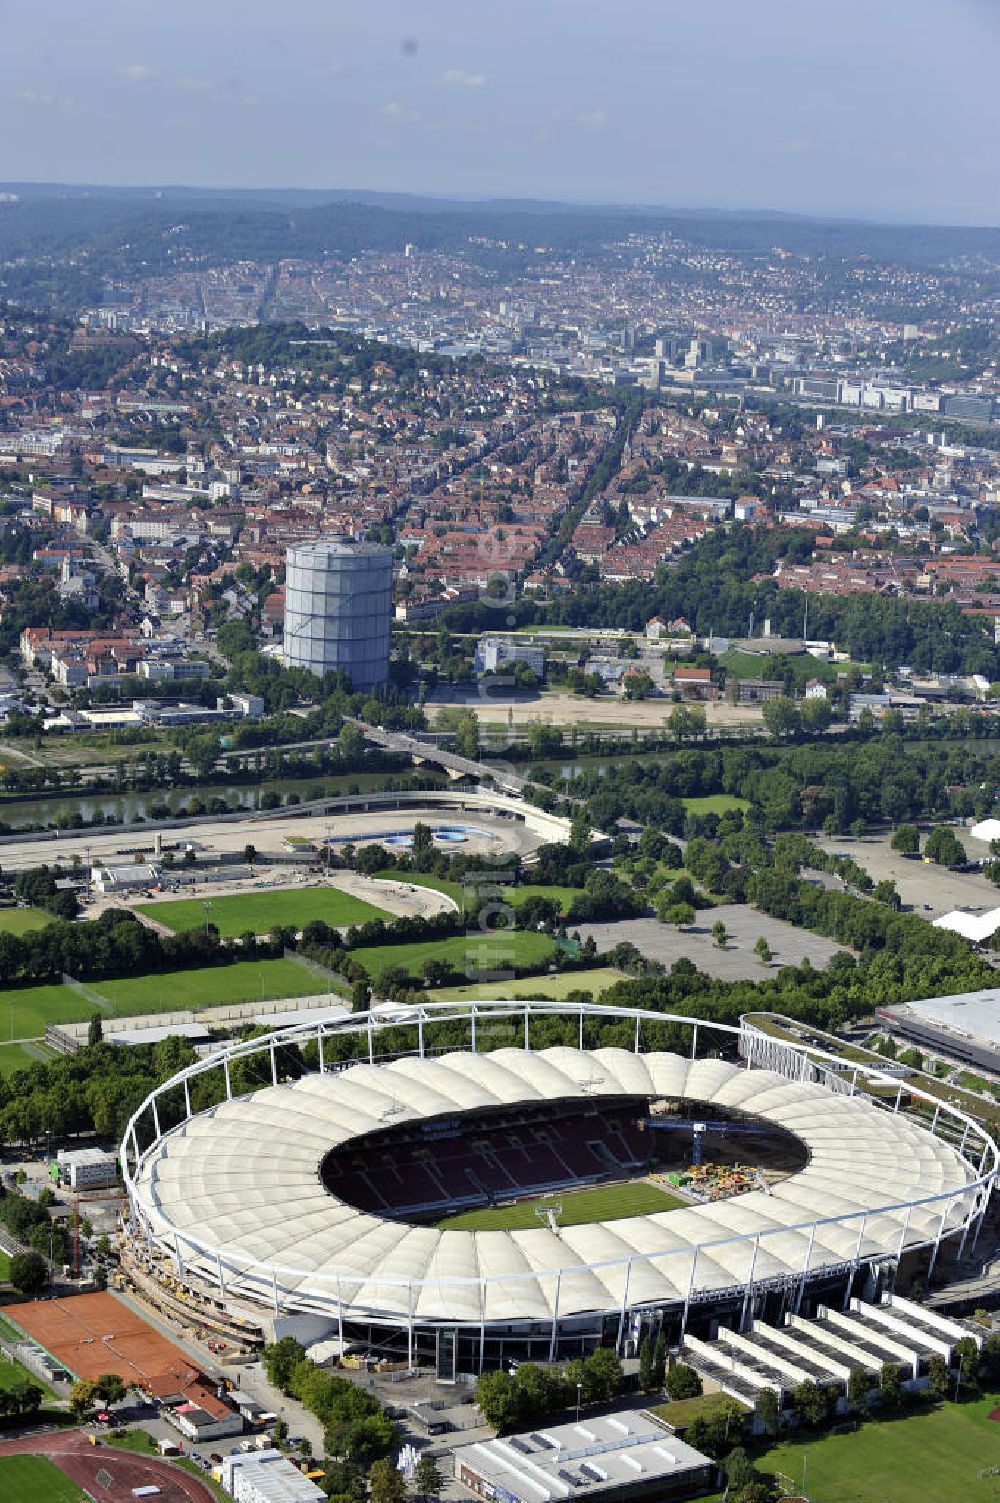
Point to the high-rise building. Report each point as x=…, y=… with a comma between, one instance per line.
x=338, y=609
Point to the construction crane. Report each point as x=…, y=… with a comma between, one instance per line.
x=698, y=1129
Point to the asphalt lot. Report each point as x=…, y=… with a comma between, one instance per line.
x=737, y=962
x=926, y=889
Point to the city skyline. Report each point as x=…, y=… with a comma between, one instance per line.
x=847, y=114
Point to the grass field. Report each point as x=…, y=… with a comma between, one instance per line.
x=466, y=952
x=12, y=1374
x=597, y=981
x=33, y=1479
x=927, y=1456
x=260, y=911
x=514, y=895
x=4, y=1275
x=25, y=1010
x=602, y=1203
x=22, y=1056
x=714, y=803
x=680, y=1412
x=22, y=920
x=213, y=986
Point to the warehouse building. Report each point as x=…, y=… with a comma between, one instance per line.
x=267, y=1477
x=629, y=1455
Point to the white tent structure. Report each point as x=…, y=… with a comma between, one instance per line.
x=987, y=829
x=978, y=927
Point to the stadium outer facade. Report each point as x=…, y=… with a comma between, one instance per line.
x=230, y=1202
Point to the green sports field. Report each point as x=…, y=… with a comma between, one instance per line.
x=33, y=1479
x=515, y=896
x=928, y=1457
x=22, y=920
x=601, y=1203
x=714, y=803
x=260, y=911
x=211, y=986
x=466, y=952
x=12, y=1374
x=15, y=1057
x=25, y=1010
x=558, y=987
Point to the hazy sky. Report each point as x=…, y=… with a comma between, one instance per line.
x=876, y=107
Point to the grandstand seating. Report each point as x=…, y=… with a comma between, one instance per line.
x=399, y=1173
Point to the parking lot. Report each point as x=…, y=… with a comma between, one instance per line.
x=926, y=889
x=737, y=962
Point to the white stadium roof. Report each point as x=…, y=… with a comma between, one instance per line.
x=240, y=1187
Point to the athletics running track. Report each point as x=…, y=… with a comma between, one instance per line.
x=120, y=1471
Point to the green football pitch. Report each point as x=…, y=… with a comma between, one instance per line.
x=926, y=1457
x=208, y=986
x=33, y=1479
x=465, y=952
x=22, y=920
x=600, y=1203
x=260, y=911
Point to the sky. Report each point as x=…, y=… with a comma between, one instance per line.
x=874, y=108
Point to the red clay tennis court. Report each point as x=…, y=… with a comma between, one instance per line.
x=91, y=1334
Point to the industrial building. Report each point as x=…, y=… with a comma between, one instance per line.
x=338, y=609
x=965, y=1027
x=629, y=1455
x=494, y=654
x=267, y=1477
x=86, y=1168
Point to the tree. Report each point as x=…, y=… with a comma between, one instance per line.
x=467, y=737
x=763, y=951
x=739, y=1469
x=780, y=716
x=83, y=1397
x=28, y=1398
x=768, y=1408
x=386, y=1483
x=249, y=853
x=29, y=1273
x=810, y=1404
x=686, y=721
x=681, y=915
x=111, y=1388
x=497, y=1399
x=715, y=1433
x=944, y=847
x=637, y=684
x=939, y=1376
x=858, y=1384
x=604, y=1377
x=682, y=1382
x=660, y=1361
x=906, y=840
x=281, y=1359
x=816, y=715
x=965, y=1355
x=428, y=1477
x=95, y=1029
x=645, y=1365
x=719, y=934
x=890, y=1385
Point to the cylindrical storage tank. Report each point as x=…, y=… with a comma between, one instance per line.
x=338, y=609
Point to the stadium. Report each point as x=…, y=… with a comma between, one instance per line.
x=336, y=1199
